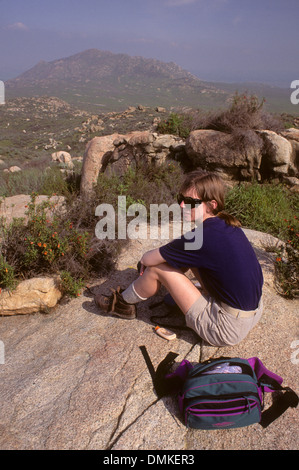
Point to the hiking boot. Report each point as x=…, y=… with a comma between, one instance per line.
x=114, y=303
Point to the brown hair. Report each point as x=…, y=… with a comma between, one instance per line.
x=209, y=186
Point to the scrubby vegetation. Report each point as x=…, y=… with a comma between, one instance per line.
x=246, y=113
x=272, y=209
x=42, y=178
x=54, y=242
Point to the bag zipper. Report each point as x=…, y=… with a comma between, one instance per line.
x=248, y=369
x=223, y=407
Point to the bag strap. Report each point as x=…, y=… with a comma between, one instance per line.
x=271, y=382
x=161, y=385
x=285, y=400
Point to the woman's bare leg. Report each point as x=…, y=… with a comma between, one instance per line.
x=178, y=285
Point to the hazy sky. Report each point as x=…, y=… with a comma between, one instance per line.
x=217, y=40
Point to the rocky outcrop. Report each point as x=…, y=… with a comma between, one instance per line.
x=278, y=154
x=95, y=151
x=216, y=151
x=266, y=154
x=76, y=378
x=244, y=155
x=38, y=294
x=118, y=152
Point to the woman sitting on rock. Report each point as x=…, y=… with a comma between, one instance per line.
x=229, y=304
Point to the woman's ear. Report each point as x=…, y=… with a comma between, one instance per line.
x=212, y=205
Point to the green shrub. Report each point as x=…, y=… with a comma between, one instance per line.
x=176, y=124
x=263, y=207
x=272, y=209
x=70, y=286
x=7, y=275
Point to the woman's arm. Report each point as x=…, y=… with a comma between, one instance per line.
x=151, y=258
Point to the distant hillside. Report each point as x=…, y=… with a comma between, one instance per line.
x=99, y=81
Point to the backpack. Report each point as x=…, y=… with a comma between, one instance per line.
x=221, y=393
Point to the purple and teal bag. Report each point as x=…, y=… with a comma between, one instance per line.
x=222, y=393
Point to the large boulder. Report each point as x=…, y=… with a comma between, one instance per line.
x=95, y=151
x=245, y=155
x=33, y=295
x=291, y=134
x=117, y=153
x=278, y=154
x=217, y=151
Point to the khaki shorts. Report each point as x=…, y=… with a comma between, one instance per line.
x=218, y=327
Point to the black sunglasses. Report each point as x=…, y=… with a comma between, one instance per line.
x=188, y=200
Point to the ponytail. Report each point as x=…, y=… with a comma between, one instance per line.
x=229, y=219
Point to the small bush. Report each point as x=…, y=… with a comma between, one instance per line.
x=176, y=124
x=272, y=209
x=71, y=286
x=246, y=112
x=7, y=275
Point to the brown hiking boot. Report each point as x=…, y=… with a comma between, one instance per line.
x=114, y=303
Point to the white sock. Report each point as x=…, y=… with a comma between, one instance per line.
x=130, y=295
